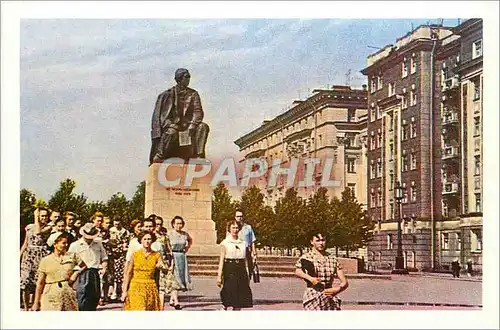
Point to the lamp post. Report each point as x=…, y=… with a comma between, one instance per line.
x=400, y=266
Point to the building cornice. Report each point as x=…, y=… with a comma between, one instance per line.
x=388, y=101
x=470, y=64
x=396, y=54
x=469, y=26
x=335, y=98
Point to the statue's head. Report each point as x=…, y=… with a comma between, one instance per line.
x=182, y=77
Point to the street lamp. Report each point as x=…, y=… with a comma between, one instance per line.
x=400, y=266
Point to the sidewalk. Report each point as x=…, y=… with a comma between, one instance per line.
x=402, y=292
x=434, y=275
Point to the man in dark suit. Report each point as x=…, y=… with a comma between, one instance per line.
x=178, y=109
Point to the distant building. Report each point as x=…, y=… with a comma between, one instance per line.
x=424, y=101
x=329, y=124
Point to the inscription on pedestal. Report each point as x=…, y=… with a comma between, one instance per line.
x=193, y=204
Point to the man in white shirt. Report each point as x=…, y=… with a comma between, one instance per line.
x=95, y=258
x=247, y=235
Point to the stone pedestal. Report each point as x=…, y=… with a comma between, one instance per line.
x=192, y=203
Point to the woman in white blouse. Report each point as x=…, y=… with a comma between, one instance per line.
x=232, y=275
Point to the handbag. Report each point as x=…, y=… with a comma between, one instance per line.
x=256, y=273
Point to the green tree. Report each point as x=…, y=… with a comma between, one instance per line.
x=223, y=209
x=26, y=209
x=91, y=208
x=64, y=199
x=136, y=206
x=260, y=216
x=357, y=226
x=118, y=205
x=290, y=226
x=320, y=217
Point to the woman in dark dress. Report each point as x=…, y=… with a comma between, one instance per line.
x=232, y=273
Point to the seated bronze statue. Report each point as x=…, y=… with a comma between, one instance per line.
x=177, y=129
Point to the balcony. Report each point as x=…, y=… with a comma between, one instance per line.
x=450, y=152
x=450, y=84
x=450, y=118
x=450, y=188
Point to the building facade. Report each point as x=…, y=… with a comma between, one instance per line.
x=470, y=73
x=423, y=103
x=329, y=124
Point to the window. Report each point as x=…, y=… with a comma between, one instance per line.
x=379, y=198
x=477, y=126
x=380, y=82
x=413, y=129
x=404, y=160
x=373, y=85
x=405, y=132
x=351, y=115
x=413, y=65
x=477, y=183
x=391, y=181
x=444, y=76
x=404, y=68
x=445, y=209
x=477, y=48
x=405, y=194
x=373, y=173
x=478, y=203
x=352, y=187
x=405, y=102
x=458, y=241
x=373, y=201
x=379, y=168
x=391, y=151
x=391, y=123
x=391, y=209
x=413, y=193
x=392, y=88
x=389, y=242
x=373, y=114
x=413, y=161
x=351, y=165
x=413, y=98
x=476, y=240
x=477, y=90
x=373, y=142
x=477, y=165
x=477, y=144
x=445, y=244
x=379, y=140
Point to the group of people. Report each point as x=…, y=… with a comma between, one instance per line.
x=67, y=266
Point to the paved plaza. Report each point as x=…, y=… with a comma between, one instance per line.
x=399, y=292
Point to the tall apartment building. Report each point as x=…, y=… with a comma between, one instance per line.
x=461, y=82
x=329, y=124
x=420, y=115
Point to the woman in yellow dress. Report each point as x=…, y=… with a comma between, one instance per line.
x=56, y=276
x=139, y=291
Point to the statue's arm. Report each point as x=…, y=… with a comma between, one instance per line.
x=197, y=110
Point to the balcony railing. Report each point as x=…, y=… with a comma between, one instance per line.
x=450, y=188
x=450, y=118
x=450, y=152
x=450, y=83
